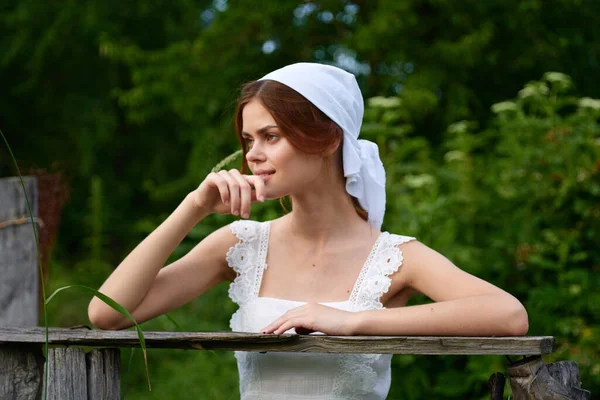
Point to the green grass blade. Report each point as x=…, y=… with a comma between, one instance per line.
x=179, y=327
x=226, y=161
x=116, y=306
x=126, y=378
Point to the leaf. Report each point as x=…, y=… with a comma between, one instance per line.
x=179, y=327
x=226, y=161
x=119, y=308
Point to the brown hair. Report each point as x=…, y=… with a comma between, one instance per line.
x=303, y=124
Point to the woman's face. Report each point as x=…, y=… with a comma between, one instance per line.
x=286, y=169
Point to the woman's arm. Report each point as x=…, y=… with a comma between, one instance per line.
x=464, y=304
x=137, y=274
x=144, y=287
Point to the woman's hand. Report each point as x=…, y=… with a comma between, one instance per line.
x=229, y=192
x=315, y=317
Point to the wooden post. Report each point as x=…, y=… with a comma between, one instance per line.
x=104, y=374
x=531, y=379
x=74, y=375
x=18, y=263
x=496, y=385
x=66, y=374
x=21, y=372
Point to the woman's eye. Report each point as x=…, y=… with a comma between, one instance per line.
x=249, y=142
x=271, y=136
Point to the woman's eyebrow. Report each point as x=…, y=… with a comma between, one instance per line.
x=261, y=130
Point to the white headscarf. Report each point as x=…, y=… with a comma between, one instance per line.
x=336, y=93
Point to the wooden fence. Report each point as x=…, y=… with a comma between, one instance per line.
x=73, y=374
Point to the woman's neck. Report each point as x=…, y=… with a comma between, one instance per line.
x=325, y=216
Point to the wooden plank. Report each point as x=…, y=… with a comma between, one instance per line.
x=103, y=374
x=18, y=264
x=434, y=345
x=21, y=372
x=67, y=378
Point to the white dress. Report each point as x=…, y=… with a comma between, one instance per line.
x=295, y=376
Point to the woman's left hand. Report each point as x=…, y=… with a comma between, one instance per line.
x=314, y=317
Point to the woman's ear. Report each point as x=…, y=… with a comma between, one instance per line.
x=334, y=146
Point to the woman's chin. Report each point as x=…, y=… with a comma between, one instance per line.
x=271, y=194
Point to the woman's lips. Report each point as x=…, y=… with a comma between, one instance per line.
x=267, y=176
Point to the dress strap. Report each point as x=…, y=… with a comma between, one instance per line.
x=261, y=259
x=247, y=258
x=374, y=280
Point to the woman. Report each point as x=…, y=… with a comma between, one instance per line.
x=330, y=268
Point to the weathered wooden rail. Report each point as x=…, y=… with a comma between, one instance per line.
x=432, y=345
x=95, y=375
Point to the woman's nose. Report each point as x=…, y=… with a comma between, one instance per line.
x=254, y=154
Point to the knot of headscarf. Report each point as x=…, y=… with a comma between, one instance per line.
x=336, y=93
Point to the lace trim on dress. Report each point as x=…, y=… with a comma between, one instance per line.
x=376, y=280
x=245, y=257
x=356, y=370
x=357, y=373
x=261, y=259
x=363, y=272
x=242, y=257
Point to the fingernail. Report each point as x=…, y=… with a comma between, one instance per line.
x=236, y=212
x=246, y=215
x=262, y=198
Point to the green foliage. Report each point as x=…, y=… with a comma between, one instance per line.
x=517, y=205
x=548, y=177
x=473, y=54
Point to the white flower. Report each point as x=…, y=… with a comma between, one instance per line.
x=454, y=155
x=459, y=127
x=533, y=90
x=418, y=181
x=556, y=77
x=384, y=102
x=504, y=107
x=588, y=102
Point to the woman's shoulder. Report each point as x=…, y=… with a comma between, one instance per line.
x=247, y=229
x=398, y=239
x=228, y=235
x=247, y=223
x=409, y=247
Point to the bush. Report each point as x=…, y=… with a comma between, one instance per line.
x=517, y=204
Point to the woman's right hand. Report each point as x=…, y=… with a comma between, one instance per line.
x=229, y=192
